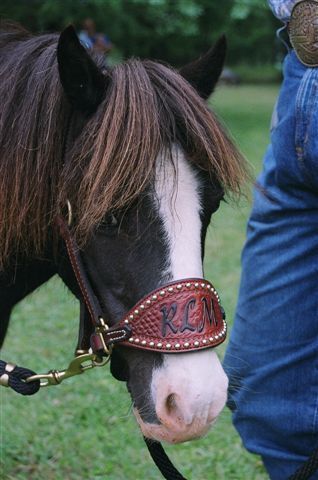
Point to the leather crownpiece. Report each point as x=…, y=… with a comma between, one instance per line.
x=181, y=316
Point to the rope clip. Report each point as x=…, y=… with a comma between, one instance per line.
x=78, y=365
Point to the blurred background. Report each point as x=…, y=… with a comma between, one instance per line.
x=84, y=429
x=170, y=30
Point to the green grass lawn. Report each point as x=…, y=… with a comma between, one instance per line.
x=84, y=429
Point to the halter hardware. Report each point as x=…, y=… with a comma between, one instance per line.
x=100, y=330
x=80, y=364
x=69, y=213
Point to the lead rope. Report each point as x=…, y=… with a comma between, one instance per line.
x=307, y=469
x=14, y=377
x=162, y=461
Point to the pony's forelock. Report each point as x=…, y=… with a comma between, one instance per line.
x=147, y=109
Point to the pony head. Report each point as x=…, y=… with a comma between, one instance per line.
x=144, y=163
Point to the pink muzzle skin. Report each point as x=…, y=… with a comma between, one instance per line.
x=181, y=316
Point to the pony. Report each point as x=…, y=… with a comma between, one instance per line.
x=144, y=163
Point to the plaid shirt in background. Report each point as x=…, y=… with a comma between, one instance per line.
x=282, y=8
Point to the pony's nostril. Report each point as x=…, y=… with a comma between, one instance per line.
x=171, y=403
x=173, y=413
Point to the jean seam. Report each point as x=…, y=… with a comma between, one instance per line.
x=315, y=418
x=305, y=105
x=300, y=116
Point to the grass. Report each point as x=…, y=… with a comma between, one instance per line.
x=84, y=429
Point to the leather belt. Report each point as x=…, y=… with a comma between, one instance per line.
x=303, y=31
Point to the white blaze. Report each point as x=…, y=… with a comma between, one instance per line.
x=177, y=190
x=196, y=380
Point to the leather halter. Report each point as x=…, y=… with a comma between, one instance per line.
x=181, y=316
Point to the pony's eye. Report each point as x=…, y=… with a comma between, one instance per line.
x=110, y=221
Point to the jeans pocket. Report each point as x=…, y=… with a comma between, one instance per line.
x=306, y=126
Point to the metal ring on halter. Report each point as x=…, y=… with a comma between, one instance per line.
x=69, y=213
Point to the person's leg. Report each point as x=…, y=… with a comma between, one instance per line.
x=272, y=356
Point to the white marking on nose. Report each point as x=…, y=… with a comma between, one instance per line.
x=177, y=189
x=196, y=379
x=189, y=390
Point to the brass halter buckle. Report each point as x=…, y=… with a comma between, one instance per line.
x=77, y=366
x=100, y=329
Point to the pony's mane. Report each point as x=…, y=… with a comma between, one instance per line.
x=147, y=108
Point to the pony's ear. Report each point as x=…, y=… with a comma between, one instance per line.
x=82, y=81
x=204, y=73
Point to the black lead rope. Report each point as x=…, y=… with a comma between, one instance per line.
x=14, y=377
x=307, y=469
x=163, y=462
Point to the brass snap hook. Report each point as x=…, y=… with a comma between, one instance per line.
x=77, y=366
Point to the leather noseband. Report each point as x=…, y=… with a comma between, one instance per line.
x=178, y=317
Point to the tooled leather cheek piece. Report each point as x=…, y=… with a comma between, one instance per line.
x=180, y=316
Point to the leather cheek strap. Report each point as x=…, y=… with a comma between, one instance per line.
x=91, y=313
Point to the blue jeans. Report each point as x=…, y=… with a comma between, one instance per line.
x=272, y=356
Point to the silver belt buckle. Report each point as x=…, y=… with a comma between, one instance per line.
x=303, y=31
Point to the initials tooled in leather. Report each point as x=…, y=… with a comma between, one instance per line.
x=181, y=316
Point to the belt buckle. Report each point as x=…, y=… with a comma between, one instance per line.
x=303, y=31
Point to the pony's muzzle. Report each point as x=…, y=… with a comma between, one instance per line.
x=189, y=391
